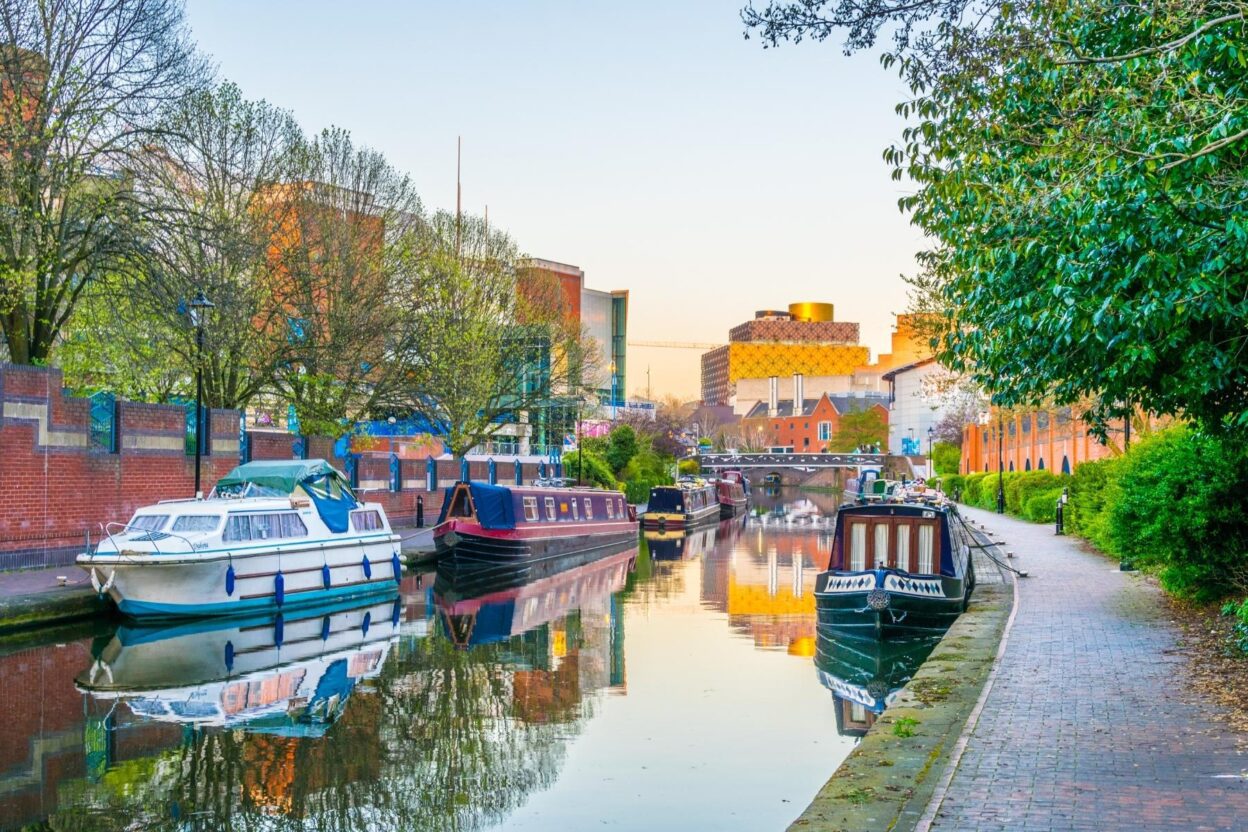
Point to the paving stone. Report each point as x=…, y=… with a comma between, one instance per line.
x=1090, y=724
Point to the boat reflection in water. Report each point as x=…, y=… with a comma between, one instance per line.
x=866, y=676
x=493, y=604
x=681, y=544
x=288, y=675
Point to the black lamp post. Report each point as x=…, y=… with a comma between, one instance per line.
x=1000, y=463
x=931, y=461
x=580, y=452
x=199, y=310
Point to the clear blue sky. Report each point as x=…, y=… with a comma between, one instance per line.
x=646, y=142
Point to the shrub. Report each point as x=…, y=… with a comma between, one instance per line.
x=689, y=466
x=946, y=458
x=953, y=484
x=1041, y=507
x=594, y=471
x=621, y=448
x=1087, y=511
x=1021, y=485
x=1178, y=506
x=971, y=488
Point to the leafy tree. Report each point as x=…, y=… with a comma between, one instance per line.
x=621, y=447
x=488, y=349
x=84, y=82
x=946, y=457
x=587, y=467
x=346, y=248
x=206, y=190
x=1080, y=166
x=864, y=427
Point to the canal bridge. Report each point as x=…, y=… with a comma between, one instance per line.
x=713, y=462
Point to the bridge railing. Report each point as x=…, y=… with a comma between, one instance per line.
x=766, y=460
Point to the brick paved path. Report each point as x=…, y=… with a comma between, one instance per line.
x=1089, y=724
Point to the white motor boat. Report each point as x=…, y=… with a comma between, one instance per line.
x=273, y=535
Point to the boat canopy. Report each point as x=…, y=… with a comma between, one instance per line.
x=324, y=483
x=492, y=504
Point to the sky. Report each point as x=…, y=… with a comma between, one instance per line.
x=646, y=142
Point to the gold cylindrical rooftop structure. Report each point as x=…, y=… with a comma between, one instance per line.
x=810, y=312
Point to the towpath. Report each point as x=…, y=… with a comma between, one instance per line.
x=1090, y=723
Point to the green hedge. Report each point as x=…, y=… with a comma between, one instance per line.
x=1041, y=507
x=953, y=484
x=1178, y=506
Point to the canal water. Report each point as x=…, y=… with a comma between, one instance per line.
x=677, y=685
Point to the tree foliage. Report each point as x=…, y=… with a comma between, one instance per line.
x=1080, y=167
x=84, y=83
x=862, y=428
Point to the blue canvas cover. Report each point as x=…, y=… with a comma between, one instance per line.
x=333, y=499
x=494, y=506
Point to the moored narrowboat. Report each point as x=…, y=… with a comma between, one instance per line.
x=732, y=499
x=897, y=568
x=485, y=523
x=686, y=504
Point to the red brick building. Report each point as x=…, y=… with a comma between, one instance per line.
x=813, y=428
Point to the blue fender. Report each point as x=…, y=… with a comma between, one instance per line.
x=325, y=579
x=368, y=568
x=398, y=567
x=366, y=623
x=279, y=589
x=229, y=580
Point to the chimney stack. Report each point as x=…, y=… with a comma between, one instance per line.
x=773, y=397
x=799, y=394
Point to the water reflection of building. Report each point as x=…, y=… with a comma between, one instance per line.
x=765, y=583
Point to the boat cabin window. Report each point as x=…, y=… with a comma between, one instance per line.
x=903, y=547
x=576, y=511
x=197, y=523
x=610, y=509
x=550, y=508
x=148, y=522
x=927, y=537
x=269, y=526
x=589, y=509
x=857, y=547
x=881, y=546
x=365, y=521
x=530, y=509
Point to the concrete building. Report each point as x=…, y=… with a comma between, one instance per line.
x=777, y=348
x=604, y=316
x=913, y=406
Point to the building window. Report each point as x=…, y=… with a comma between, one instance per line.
x=1040, y=465
x=825, y=431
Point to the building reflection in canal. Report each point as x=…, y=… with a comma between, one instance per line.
x=453, y=704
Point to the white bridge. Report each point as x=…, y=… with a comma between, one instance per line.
x=803, y=461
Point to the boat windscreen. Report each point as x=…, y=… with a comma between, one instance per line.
x=666, y=499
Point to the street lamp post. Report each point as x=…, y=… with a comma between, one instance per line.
x=199, y=310
x=931, y=462
x=580, y=452
x=613, y=393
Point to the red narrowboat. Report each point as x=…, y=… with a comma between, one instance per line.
x=732, y=499
x=509, y=524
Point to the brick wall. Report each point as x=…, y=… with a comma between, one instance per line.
x=54, y=486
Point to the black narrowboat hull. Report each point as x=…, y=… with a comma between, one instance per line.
x=880, y=610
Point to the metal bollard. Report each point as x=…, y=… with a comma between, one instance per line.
x=420, y=511
x=1060, y=528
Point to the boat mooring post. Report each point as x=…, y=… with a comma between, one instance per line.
x=420, y=511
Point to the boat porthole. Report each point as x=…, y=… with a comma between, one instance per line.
x=325, y=628
x=229, y=657
x=279, y=630
x=279, y=589
x=368, y=569
x=229, y=580
x=368, y=620
x=325, y=579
